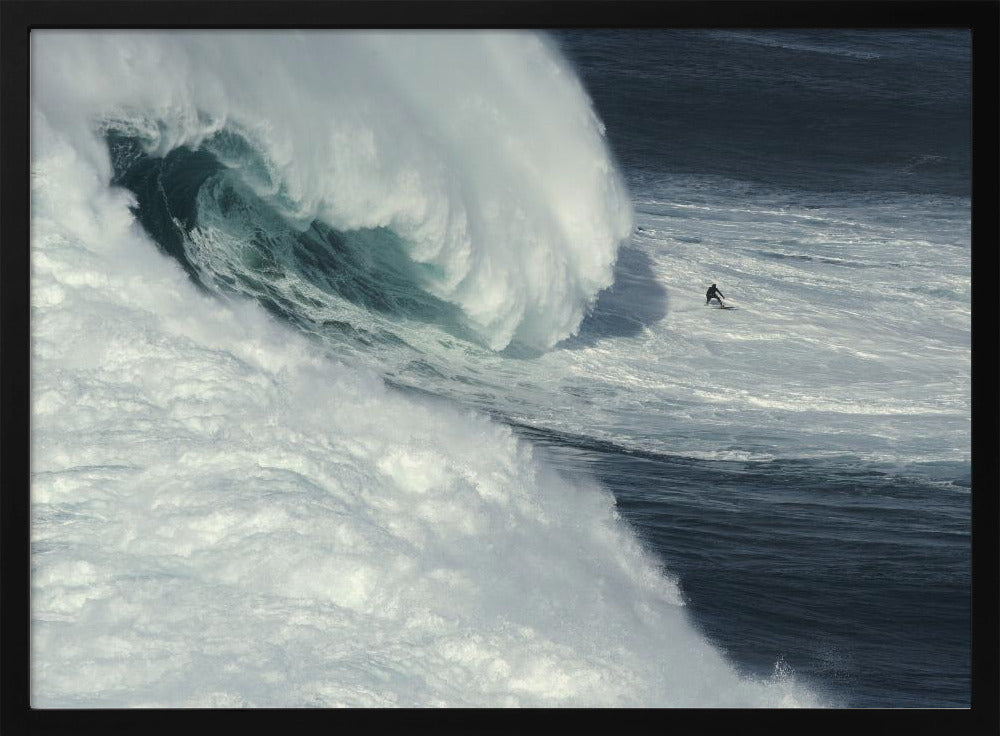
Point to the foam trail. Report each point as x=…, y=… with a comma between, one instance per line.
x=223, y=517
x=480, y=150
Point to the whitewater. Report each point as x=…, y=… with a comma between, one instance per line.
x=224, y=514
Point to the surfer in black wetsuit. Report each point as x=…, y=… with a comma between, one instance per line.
x=714, y=293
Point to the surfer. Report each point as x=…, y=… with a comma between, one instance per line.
x=714, y=293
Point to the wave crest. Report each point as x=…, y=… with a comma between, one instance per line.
x=480, y=151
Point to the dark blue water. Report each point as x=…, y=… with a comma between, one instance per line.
x=856, y=577
x=821, y=110
x=853, y=578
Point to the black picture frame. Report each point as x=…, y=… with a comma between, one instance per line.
x=20, y=17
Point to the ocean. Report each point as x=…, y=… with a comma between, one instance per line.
x=375, y=369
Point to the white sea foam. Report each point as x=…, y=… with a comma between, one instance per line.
x=851, y=337
x=223, y=517
x=481, y=150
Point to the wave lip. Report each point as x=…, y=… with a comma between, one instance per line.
x=480, y=151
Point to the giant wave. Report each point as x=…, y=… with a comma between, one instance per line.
x=223, y=515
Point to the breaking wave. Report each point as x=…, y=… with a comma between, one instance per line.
x=224, y=516
x=476, y=160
